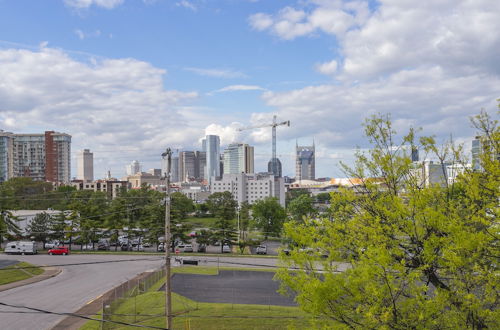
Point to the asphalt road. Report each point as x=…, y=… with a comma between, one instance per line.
x=5, y=263
x=237, y=287
x=70, y=290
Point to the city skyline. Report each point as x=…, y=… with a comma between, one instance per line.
x=128, y=79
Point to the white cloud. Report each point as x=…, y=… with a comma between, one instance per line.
x=331, y=17
x=82, y=4
x=328, y=68
x=186, y=4
x=107, y=105
x=84, y=35
x=234, y=88
x=217, y=73
x=227, y=134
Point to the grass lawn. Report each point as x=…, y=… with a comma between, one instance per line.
x=190, y=314
x=201, y=222
x=11, y=274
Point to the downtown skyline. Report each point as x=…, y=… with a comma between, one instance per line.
x=129, y=78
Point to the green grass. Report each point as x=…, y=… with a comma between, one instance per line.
x=201, y=222
x=11, y=274
x=197, y=315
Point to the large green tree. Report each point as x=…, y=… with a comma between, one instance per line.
x=269, y=216
x=301, y=207
x=223, y=206
x=40, y=227
x=402, y=254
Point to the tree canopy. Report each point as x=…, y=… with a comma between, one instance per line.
x=269, y=216
x=401, y=254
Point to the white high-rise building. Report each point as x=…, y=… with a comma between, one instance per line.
x=133, y=168
x=212, y=147
x=42, y=157
x=238, y=158
x=85, y=165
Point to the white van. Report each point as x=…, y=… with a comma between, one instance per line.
x=21, y=248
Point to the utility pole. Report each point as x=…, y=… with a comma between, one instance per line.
x=168, y=288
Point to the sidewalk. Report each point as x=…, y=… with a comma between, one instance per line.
x=49, y=272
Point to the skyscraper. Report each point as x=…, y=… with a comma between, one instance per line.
x=5, y=155
x=85, y=165
x=305, y=162
x=191, y=165
x=238, y=158
x=42, y=157
x=278, y=172
x=212, y=148
x=133, y=168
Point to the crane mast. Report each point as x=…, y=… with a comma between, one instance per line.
x=273, y=125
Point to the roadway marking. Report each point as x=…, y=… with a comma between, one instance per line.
x=92, y=300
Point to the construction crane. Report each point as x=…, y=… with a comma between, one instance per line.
x=273, y=125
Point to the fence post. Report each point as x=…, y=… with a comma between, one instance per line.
x=102, y=315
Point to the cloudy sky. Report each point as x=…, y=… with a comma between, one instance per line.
x=128, y=78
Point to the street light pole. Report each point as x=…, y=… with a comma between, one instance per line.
x=168, y=288
x=239, y=231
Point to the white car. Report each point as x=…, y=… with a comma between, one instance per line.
x=226, y=248
x=51, y=245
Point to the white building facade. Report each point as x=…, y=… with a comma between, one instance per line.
x=250, y=187
x=238, y=158
x=85, y=165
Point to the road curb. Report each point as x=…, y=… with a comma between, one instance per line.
x=48, y=273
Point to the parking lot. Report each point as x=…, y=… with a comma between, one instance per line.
x=231, y=286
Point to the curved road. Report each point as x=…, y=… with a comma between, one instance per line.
x=70, y=290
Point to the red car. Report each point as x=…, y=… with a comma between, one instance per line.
x=59, y=250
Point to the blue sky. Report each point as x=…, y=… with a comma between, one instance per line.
x=127, y=78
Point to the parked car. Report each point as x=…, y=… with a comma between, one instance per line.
x=21, y=248
x=52, y=244
x=261, y=249
x=59, y=250
x=202, y=248
x=188, y=248
x=226, y=248
x=192, y=234
x=88, y=247
x=103, y=245
x=126, y=247
x=161, y=247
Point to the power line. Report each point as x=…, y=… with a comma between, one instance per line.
x=80, y=316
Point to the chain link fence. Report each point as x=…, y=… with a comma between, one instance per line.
x=127, y=293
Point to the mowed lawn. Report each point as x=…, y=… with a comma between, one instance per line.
x=13, y=274
x=149, y=309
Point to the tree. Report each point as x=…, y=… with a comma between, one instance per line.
x=181, y=206
x=7, y=224
x=294, y=193
x=323, y=197
x=223, y=206
x=40, y=227
x=412, y=256
x=301, y=207
x=244, y=213
x=269, y=216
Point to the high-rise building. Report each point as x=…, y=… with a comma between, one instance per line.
x=42, y=157
x=191, y=165
x=85, y=165
x=5, y=155
x=238, y=158
x=305, y=162
x=212, y=148
x=278, y=170
x=133, y=168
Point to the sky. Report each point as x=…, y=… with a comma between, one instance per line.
x=129, y=78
